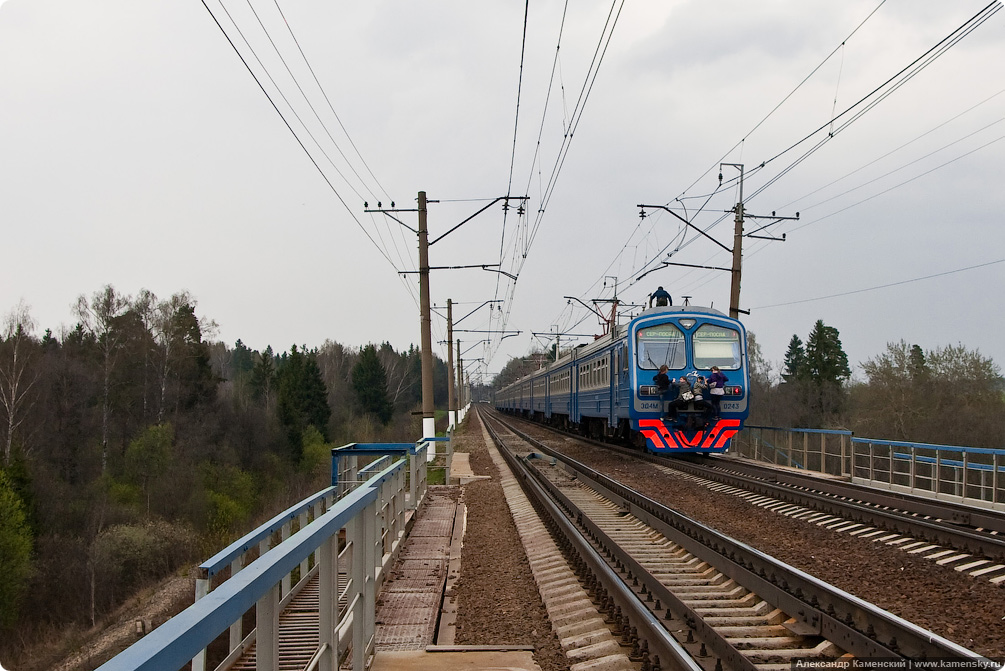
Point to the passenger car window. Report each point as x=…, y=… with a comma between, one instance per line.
x=659, y=345
x=716, y=346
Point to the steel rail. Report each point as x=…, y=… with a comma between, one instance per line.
x=900, y=518
x=950, y=511
x=850, y=622
x=625, y=604
x=931, y=530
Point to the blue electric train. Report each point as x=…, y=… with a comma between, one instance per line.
x=607, y=388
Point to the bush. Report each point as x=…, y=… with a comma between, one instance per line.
x=125, y=557
x=15, y=552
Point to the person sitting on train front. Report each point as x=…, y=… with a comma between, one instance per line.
x=685, y=395
x=661, y=297
x=699, y=388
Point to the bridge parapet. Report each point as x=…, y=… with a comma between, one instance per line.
x=970, y=475
x=370, y=519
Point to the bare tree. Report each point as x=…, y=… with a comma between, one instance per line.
x=98, y=317
x=168, y=337
x=17, y=371
x=145, y=307
x=399, y=381
x=336, y=364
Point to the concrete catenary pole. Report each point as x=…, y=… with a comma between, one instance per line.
x=428, y=416
x=734, y=287
x=451, y=394
x=460, y=380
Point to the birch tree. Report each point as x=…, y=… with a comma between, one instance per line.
x=18, y=373
x=98, y=316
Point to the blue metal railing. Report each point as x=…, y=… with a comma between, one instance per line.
x=187, y=635
x=367, y=503
x=971, y=474
x=226, y=556
x=975, y=475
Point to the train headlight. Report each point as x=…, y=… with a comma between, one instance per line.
x=649, y=390
x=733, y=390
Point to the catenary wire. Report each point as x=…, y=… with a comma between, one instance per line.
x=297, y=138
x=790, y=94
x=881, y=286
x=289, y=71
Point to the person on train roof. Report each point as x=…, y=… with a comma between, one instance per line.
x=661, y=297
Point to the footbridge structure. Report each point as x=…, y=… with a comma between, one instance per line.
x=300, y=591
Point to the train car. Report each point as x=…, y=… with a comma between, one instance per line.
x=607, y=388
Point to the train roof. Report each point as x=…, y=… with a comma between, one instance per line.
x=674, y=309
x=600, y=342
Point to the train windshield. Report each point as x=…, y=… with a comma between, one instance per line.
x=660, y=345
x=716, y=346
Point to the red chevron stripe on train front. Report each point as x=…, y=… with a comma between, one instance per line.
x=660, y=438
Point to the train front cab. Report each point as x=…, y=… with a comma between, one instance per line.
x=689, y=341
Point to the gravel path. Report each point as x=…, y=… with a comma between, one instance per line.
x=497, y=599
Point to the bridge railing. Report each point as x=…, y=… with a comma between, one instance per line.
x=237, y=555
x=362, y=517
x=351, y=462
x=820, y=450
x=971, y=475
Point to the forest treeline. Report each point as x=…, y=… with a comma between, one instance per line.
x=133, y=444
x=950, y=395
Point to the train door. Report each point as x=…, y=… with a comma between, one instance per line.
x=574, y=393
x=616, y=378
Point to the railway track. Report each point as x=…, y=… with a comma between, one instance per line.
x=686, y=596
x=941, y=524
x=969, y=538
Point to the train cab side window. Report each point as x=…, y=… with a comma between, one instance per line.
x=662, y=344
x=716, y=346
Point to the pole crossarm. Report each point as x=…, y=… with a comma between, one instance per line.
x=774, y=220
x=664, y=207
x=506, y=198
x=572, y=335
x=509, y=333
x=388, y=214
x=480, y=342
x=494, y=300
x=477, y=265
x=594, y=310
x=692, y=265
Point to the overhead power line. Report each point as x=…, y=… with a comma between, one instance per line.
x=865, y=104
x=881, y=286
x=786, y=98
x=880, y=93
x=295, y=136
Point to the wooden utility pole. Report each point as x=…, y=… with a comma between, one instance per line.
x=451, y=394
x=426, y=352
x=428, y=415
x=460, y=368
x=738, y=236
x=734, y=285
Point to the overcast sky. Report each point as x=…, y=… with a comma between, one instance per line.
x=137, y=150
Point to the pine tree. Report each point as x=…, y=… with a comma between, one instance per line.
x=369, y=381
x=263, y=376
x=243, y=360
x=918, y=365
x=826, y=371
x=302, y=399
x=795, y=360
x=826, y=361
